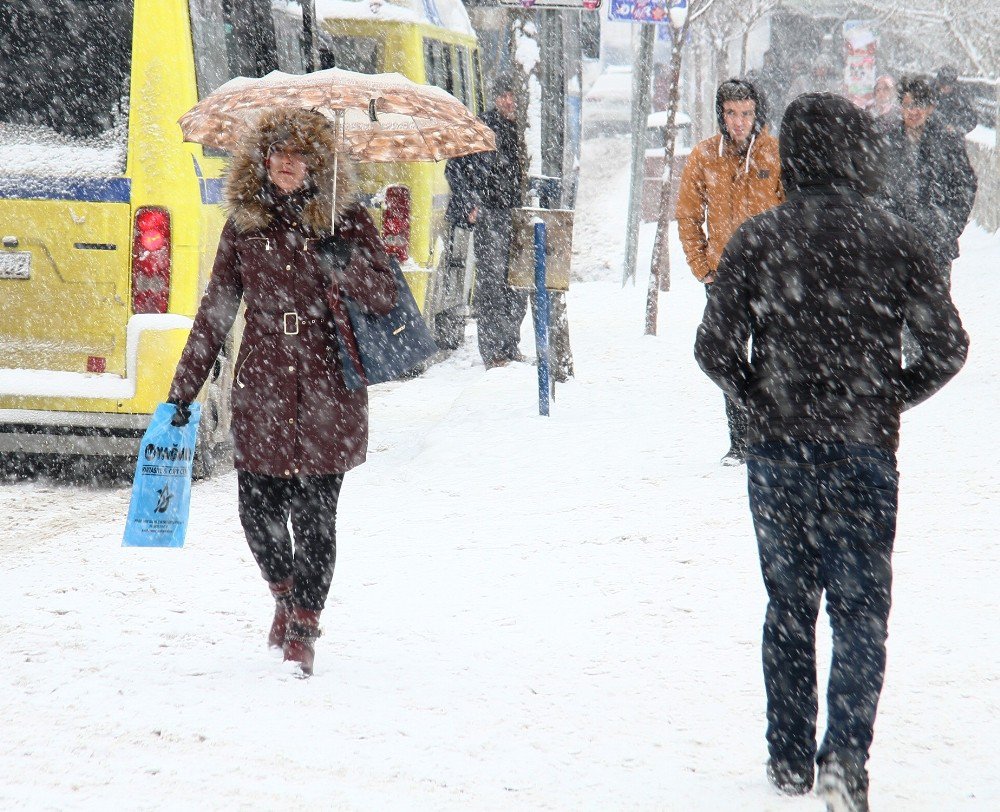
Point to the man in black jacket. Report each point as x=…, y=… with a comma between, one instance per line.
x=954, y=107
x=929, y=180
x=485, y=187
x=821, y=286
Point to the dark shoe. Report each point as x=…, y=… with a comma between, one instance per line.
x=790, y=779
x=493, y=363
x=843, y=785
x=282, y=592
x=734, y=457
x=300, y=638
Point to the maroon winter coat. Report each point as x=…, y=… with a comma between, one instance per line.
x=292, y=413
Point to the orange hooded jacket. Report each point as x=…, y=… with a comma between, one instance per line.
x=725, y=188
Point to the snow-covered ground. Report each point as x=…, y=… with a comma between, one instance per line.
x=528, y=613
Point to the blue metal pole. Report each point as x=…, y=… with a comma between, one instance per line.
x=542, y=321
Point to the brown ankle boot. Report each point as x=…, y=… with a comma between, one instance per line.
x=282, y=592
x=300, y=639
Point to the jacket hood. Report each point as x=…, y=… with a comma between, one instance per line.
x=249, y=194
x=746, y=89
x=826, y=140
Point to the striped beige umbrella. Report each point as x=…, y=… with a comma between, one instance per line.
x=381, y=117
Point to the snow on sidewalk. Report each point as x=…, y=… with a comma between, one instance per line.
x=527, y=613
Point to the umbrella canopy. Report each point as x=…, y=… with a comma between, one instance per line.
x=381, y=117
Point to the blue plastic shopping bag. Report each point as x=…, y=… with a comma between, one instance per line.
x=161, y=490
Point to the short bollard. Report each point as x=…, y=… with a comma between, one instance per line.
x=542, y=322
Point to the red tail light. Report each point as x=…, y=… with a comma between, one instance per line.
x=151, y=260
x=396, y=222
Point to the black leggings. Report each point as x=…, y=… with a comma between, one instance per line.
x=266, y=504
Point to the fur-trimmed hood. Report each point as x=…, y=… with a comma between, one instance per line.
x=249, y=193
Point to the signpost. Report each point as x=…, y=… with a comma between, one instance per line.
x=553, y=37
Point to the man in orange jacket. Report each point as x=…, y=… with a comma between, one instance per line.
x=728, y=179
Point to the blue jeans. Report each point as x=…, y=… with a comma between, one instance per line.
x=825, y=518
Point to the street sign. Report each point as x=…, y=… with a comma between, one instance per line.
x=560, y=5
x=646, y=11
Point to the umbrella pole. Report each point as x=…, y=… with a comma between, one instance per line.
x=338, y=129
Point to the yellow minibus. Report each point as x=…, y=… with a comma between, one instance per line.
x=109, y=222
x=431, y=42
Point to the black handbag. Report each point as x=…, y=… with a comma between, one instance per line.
x=389, y=346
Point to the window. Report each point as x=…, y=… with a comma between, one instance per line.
x=288, y=36
x=359, y=54
x=462, y=76
x=477, y=83
x=64, y=69
x=437, y=64
x=245, y=38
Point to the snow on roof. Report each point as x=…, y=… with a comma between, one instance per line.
x=448, y=14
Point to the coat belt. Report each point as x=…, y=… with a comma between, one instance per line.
x=288, y=323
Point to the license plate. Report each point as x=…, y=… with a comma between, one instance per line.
x=15, y=265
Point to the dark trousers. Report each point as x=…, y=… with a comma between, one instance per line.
x=736, y=416
x=500, y=309
x=266, y=504
x=825, y=519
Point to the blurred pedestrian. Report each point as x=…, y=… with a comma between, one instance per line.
x=727, y=179
x=954, y=107
x=929, y=180
x=822, y=74
x=884, y=106
x=771, y=83
x=485, y=188
x=297, y=428
x=821, y=287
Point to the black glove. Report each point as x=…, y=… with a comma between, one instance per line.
x=182, y=413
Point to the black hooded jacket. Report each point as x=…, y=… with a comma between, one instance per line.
x=822, y=285
x=930, y=184
x=956, y=112
x=489, y=180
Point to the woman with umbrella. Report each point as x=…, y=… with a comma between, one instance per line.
x=297, y=428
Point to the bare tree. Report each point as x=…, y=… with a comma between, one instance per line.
x=750, y=13
x=659, y=271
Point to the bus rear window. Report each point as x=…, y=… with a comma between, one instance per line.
x=245, y=38
x=64, y=71
x=359, y=54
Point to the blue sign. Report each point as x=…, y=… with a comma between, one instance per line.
x=643, y=11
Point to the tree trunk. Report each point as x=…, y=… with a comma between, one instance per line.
x=659, y=272
x=699, y=125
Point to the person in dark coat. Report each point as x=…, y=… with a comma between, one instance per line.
x=821, y=286
x=884, y=106
x=954, y=108
x=297, y=428
x=929, y=180
x=485, y=188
